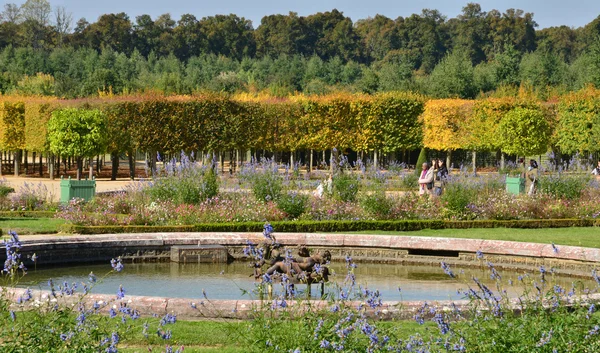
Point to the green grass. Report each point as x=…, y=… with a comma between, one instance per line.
x=31, y=225
x=585, y=236
x=226, y=336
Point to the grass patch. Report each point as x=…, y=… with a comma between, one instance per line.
x=31, y=225
x=574, y=236
x=208, y=336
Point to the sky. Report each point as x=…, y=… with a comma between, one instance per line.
x=547, y=13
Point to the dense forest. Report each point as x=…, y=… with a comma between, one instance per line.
x=478, y=53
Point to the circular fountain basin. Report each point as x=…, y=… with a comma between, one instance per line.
x=234, y=281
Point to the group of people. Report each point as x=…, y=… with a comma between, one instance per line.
x=433, y=178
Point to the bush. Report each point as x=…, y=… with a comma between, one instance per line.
x=345, y=187
x=458, y=195
x=184, y=182
x=377, y=204
x=5, y=190
x=422, y=159
x=563, y=186
x=293, y=204
x=264, y=179
x=410, y=181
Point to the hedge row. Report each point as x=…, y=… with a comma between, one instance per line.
x=26, y=214
x=386, y=121
x=334, y=226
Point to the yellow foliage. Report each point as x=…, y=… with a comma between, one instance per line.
x=445, y=123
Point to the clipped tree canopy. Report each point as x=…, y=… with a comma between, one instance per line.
x=77, y=132
x=524, y=132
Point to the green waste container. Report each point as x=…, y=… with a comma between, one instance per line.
x=70, y=189
x=515, y=185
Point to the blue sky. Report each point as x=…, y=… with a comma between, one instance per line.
x=574, y=13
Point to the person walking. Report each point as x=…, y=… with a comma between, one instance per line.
x=426, y=180
x=533, y=174
x=441, y=176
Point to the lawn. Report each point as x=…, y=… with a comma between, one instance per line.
x=31, y=225
x=225, y=336
x=584, y=236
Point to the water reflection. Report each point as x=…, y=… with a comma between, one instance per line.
x=221, y=281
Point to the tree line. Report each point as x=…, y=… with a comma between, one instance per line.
x=478, y=52
x=299, y=126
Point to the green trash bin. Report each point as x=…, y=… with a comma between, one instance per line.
x=515, y=185
x=70, y=189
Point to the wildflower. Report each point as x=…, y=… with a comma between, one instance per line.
x=447, y=269
x=479, y=254
x=554, y=248
x=545, y=339
x=117, y=265
x=120, y=293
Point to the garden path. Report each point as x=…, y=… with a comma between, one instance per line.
x=53, y=186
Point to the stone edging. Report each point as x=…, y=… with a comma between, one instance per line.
x=107, y=246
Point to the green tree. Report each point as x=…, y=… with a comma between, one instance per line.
x=524, y=132
x=230, y=35
x=453, y=77
x=77, y=132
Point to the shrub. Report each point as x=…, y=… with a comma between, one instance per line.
x=293, y=204
x=345, y=187
x=563, y=186
x=5, y=190
x=31, y=197
x=61, y=319
x=458, y=195
x=184, y=182
x=264, y=179
x=410, y=180
x=377, y=204
x=422, y=159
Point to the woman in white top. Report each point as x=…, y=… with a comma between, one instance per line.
x=426, y=180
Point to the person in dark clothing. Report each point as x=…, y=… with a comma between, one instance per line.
x=441, y=177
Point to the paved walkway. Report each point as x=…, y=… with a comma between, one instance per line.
x=53, y=186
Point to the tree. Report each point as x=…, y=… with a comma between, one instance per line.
x=64, y=21
x=112, y=31
x=453, y=77
x=524, y=132
x=471, y=33
x=37, y=11
x=11, y=14
x=229, y=35
x=379, y=35
x=282, y=35
x=77, y=132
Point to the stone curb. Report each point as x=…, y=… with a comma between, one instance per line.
x=495, y=247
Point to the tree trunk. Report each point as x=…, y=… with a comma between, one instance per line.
x=79, y=161
x=114, y=160
x=311, y=162
x=131, y=160
x=502, y=161
x=449, y=160
x=474, y=162
x=50, y=160
x=16, y=160
x=26, y=161
x=375, y=159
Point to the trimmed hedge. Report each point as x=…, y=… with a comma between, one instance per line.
x=334, y=226
x=27, y=214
